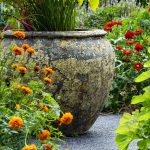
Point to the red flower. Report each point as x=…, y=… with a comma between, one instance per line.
x=129, y=35
x=109, y=24
x=138, y=66
x=119, y=23
x=119, y=47
x=139, y=32
x=148, y=9
x=138, y=47
x=127, y=52
x=108, y=28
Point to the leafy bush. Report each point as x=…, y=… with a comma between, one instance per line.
x=123, y=84
x=49, y=15
x=109, y=13
x=27, y=109
x=137, y=124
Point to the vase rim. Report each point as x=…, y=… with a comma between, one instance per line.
x=60, y=34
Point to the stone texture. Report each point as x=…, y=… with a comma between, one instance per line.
x=84, y=65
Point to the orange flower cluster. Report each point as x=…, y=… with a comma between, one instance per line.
x=22, y=69
x=130, y=42
x=17, y=50
x=66, y=118
x=29, y=147
x=30, y=50
x=109, y=25
x=131, y=34
x=48, y=71
x=25, y=46
x=26, y=90
x=47, y=147
x=44, y=108
x=15, y=122
x=139, y=32
x=44, y=135
x=19, y=34
x=47, y=80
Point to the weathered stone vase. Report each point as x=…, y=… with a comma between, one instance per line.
x=85, y=60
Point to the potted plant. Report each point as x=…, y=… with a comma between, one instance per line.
x=84, y=59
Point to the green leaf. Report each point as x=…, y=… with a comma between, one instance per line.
x=144, y=116
x=149, y=49
x=94, y=4
x=143, y=76
x=123, y=129
x=147, y=89
x=147, y=64
x=125, y=118
x=143, y=144
x=138, y=99
x=123, y=141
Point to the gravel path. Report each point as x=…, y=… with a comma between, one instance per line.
x=100, y=137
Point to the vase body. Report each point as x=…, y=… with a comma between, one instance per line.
x=85, y=60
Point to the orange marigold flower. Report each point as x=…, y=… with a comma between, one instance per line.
x=130, y=42
x=48, y=71
x=22, y=69
x=29, y=147
x=47, y=147
x=138, y=66
x=66, y=118
x=48, y=80
x=148, y=10
x=17, y=50
x=19, y=34
x=18, y=106
x=44, y=135
x=30, y=50
x=15, y=122
x=25, y=46
x=15, y=66
x=45, y=109
x=26, y=90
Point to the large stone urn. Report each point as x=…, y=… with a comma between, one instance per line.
x=85, y=63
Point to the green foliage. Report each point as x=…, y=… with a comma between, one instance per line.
x=50, y=15
x=136, y=125
x=109, y=13
x=38, y=109
x=124, y=87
